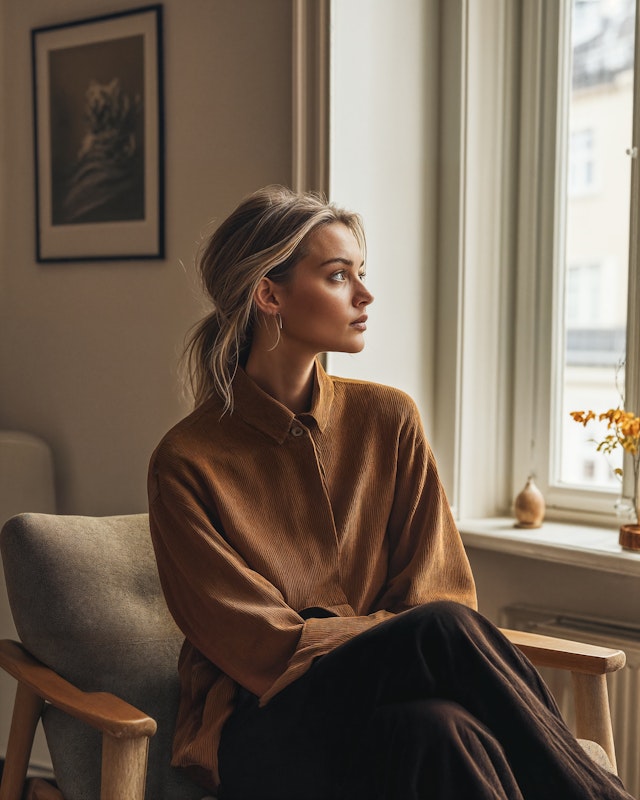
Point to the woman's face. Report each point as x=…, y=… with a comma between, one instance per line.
x=323, y=304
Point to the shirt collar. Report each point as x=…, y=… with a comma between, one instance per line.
x=261, y=411
x=321, y=399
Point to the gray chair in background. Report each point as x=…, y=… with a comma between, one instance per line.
x=98, y=643
x=87, y=602
x=27, y=483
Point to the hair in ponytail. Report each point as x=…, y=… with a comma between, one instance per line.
x=264, y=237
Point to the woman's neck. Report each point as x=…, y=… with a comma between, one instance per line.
x=288, y=382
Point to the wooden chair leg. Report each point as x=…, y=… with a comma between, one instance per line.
x=26, y=714
x=593, y=716
x=124, y=768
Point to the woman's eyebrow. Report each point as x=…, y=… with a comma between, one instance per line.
x=339, y=260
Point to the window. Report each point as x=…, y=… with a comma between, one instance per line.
x=585, y=257
x=585, y=287
x=581, y=162
x=599, y=97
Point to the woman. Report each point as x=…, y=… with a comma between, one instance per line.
x=307, y=551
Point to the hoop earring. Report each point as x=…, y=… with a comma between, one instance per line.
x=278, y=322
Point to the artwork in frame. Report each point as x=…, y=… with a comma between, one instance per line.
x=99, y=155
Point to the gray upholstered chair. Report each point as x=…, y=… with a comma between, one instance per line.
x=87, y=603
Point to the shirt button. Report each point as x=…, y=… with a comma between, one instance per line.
x=296, y=430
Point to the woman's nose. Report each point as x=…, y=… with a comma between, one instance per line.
x=364, y=298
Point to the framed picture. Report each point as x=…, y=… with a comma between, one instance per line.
x=99, y=154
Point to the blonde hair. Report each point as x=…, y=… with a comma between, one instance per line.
x=264, y=237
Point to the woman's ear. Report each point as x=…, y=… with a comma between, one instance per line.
x=266, y=297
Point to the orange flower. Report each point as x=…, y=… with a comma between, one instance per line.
x=624, y=430
x=582, y=416
x=624, y=427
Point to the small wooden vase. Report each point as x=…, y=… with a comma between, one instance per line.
x=529, y=506
x=630, y=537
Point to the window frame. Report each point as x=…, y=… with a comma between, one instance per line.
x=539, y=338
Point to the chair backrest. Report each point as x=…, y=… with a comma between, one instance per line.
x=86, y=600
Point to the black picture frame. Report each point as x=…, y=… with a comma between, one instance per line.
x=99, y=137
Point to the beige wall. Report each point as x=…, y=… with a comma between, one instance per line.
x=384, y=163
x=88, y=352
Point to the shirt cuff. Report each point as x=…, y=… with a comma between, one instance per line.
x=321, y=636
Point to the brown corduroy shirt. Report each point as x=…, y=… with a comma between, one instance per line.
x=259, y=514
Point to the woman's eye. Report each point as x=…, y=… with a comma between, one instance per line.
x=363, y=276
x=339, y=276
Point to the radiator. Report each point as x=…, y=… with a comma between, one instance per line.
x=624, y=686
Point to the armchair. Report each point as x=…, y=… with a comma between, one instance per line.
x=87, y=603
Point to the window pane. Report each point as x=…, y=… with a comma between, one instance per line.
x=597, y=232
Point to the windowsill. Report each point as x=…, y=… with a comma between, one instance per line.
x=574, y=545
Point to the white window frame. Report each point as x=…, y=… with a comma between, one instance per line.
x=540, y=251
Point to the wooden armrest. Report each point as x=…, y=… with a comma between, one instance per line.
x=589, y=665
x=101, y=710
x=548, y=651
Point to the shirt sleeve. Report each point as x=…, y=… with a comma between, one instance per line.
x=427, y=558
x=238, y=620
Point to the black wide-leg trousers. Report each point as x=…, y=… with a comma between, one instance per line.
x=434, y=703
